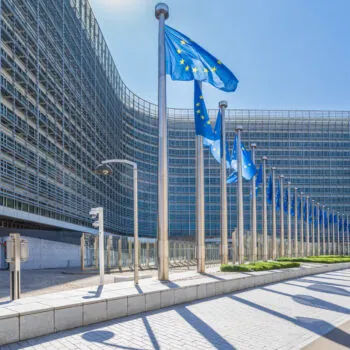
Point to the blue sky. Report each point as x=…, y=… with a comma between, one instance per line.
x=287, y=54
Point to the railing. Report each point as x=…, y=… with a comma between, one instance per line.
x=120, y=255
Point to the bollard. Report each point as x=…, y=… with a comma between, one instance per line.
x=82, y=251
x=120, y=256
x=17, y=251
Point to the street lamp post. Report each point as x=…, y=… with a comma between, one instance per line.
x=104, y=169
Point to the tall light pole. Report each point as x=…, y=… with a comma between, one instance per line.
x=274, y=245
x=239, y=196
x=253, y=208
x=105, y=169
x=162, y=13
x=282, y=214
x=223, y=188
x=265, y=248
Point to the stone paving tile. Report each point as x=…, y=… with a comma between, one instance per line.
x=277, y=316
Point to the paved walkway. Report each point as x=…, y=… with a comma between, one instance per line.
x=39, y=282
x=286, y=315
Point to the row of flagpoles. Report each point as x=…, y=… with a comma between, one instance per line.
x=183, y=59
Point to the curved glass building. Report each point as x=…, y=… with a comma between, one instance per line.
x=64, y=109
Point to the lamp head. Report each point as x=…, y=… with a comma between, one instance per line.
x=103, y=169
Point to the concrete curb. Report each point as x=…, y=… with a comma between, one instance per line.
x=27, y=321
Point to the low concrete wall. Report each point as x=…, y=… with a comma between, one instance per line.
x=45, y=254
x=20, y=322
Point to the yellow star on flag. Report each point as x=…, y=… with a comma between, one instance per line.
x=201, y=97
x=208, y=122
x=187, y=68
x=198, y=104
x=202, y=117
x=213, y=69
x=182, y=61
x=178, y=50
x=194, y=70
x=198, y=111
x=183, y=42
x=206, y=70
x=219, y=62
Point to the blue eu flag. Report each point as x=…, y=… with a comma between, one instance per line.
x=330, y=218
x=315, y=216
x=292, y=208
x=248, y=167
x=310, y=212
x=285, y=201
x=215, y=146
x=278, y=195
x=259, y=179
x=201, y=118
x=186, y=60
x=340, y=223
x=325, y=219
x=299, y=208
x=269, y=191
x=232, y=178
x=335, y=219
x=320, y=216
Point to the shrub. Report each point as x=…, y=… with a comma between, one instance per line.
x=258, y=266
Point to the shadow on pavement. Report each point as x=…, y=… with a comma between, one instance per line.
x=314, y=325
x=309, y=300
x=102, y=337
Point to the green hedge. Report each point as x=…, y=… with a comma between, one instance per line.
x=258, y=266
x=322, y=259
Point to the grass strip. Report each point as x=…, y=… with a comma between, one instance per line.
x=322, y=259
x=258, y=266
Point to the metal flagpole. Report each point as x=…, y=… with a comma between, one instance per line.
x=343, y=240
x=313, y=226
x=162, y=13
x=333, y=235
x=307, y=227
x=323, y=232
x=240, y=219
x=295, y=221
x=301, y=224
x=343, y=246
x=347, y=228
x=328, y=233
x=200, y=228
x=274, y=245
x=223, y=188
x=282, y=214
x=318, y=229
x=289, y=219
x=253, y=209
x=338, y=235
x=265, y=249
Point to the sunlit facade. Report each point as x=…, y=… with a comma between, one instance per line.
x=64, y=108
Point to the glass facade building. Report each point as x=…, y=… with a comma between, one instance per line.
x=64, y=109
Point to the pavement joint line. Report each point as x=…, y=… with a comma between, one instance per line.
x=186, y=292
